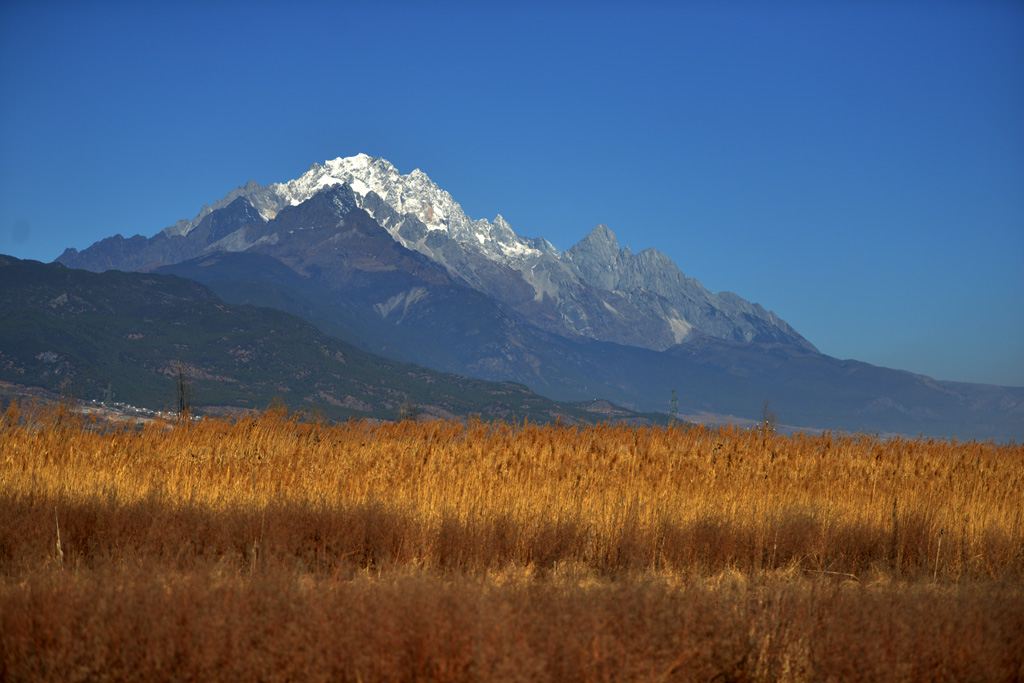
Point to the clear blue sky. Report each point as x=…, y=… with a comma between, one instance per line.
x=857, y=167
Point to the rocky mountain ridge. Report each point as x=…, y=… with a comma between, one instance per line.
x=593, y=290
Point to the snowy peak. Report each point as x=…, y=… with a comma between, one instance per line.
x=414, y=196
x=395, y=201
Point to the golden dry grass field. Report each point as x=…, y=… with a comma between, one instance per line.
x=266, y=548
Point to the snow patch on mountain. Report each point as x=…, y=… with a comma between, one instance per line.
x=680, y=328
x=236, y=241
x=401, y=302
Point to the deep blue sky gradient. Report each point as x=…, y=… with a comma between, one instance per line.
x=857, y=167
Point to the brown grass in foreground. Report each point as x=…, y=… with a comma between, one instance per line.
x=275, y=550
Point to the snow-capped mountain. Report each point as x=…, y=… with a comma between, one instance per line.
x=594, y=290
x=392, y=263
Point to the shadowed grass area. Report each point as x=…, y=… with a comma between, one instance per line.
x=144, y=623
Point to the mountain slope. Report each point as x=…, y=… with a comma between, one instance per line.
x=125, y=334
x=711, y=376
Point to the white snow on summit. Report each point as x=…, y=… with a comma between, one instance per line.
x=414, y=194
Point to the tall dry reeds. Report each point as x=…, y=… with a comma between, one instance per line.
x=738, y=553
x=478, y=497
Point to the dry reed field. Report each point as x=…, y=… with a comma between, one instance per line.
x=268, y=548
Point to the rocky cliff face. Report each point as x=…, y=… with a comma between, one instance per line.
x=653, y=284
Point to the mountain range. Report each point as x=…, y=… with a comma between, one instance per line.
x=391, y=264
x=127, y=338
